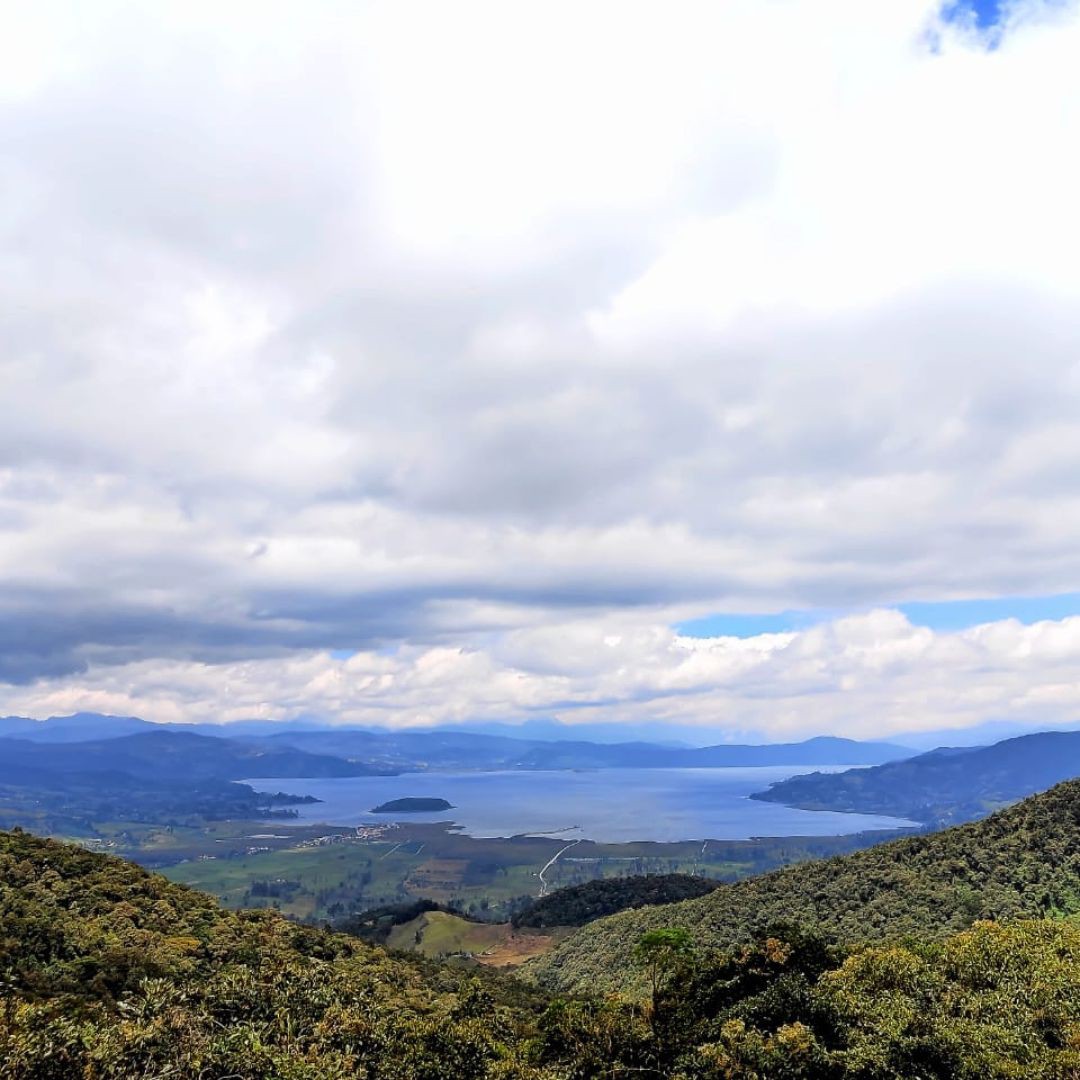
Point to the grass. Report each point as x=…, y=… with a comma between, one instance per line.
x=438, y=934
x=301, y=872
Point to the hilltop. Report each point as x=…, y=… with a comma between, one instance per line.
x=576, y=905
x=1020, y=862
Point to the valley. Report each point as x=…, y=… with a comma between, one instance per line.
x=322, y=874
x=949, y=956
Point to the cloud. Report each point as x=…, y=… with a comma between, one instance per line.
x=868, y=675
x=410, y=329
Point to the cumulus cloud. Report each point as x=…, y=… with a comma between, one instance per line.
x=457, y=335
x=868, y=675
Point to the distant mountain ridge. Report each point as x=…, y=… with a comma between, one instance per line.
x=171, y=756
x=154, y=775
x=411, y=751
x=943, y=786
x=822, y=750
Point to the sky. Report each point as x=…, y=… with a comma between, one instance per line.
x=986, y=13
x=698, y=364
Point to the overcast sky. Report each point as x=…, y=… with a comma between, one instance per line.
x=412, y=363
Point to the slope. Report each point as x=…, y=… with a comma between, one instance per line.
x=112, y=972
x=1023, y=861
x=943, y=786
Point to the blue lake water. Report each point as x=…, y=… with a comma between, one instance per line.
x=608, y=805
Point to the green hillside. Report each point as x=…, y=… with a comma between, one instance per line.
x=576, y=905
x=109, y=972
x=1020, y=862
x=995, y=1002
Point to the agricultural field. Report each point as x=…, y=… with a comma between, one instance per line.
x=321, y=873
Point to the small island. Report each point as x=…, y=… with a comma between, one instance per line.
x=412, y=806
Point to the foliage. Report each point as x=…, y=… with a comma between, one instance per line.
x=577, y=905
x=110, y=972
x=1020, y=862
x=412, y=805
x=664, y=955
x=991, y=1003
x=374, y=924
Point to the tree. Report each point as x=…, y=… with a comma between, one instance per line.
x=662, y=953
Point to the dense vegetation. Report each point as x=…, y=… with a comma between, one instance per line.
x=577, y=905
x=942, y=787
x=110, y=973
x=107, y=971
x=1019, y=862
x=991, y=1003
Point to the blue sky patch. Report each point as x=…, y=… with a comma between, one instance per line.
x=960, y=614
x=935, y=614
x=987, y=13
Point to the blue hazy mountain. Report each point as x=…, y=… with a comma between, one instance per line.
x=433, y=749
x=84, y=726
x=75, y=728
x=464, y=750
x=946, y=785
x=167, y=755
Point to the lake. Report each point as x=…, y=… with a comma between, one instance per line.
x=606, y=805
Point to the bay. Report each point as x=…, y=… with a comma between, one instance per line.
x=607, y=805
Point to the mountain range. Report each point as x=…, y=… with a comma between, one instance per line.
x=407, y=751
x=170, y=756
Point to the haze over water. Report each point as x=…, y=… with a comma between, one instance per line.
x=608, y=805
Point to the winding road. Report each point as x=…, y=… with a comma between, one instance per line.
x=550, y=863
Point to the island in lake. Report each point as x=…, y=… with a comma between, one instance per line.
x=412, y=806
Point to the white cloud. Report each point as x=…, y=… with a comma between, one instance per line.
x=869, y=675
x=421, y=328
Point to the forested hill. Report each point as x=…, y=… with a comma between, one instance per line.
x=1023, y=861
x=944, y=786
x=110, y=973
x=576, y=905
x=107, y=971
